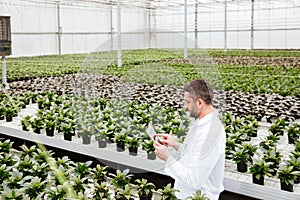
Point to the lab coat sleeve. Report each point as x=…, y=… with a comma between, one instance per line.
x=198, y=168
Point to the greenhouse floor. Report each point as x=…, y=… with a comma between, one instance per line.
x=236, y=183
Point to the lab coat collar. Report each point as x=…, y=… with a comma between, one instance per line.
x=207, y=118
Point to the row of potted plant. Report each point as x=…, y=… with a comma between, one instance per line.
x=267, y=160
x=109, y=121
x=32, y=173
x=288, y=171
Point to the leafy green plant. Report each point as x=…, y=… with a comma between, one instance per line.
x=125, y=193
x=286, y=174
x=259, y=168
x=274, y=157
x=37, y=124
x=100, y=173
x=102, y=191
x=83, y=169
x=120, y=140
x=293, y=133
x=144, y=188
x=27, y=151
x=16, y=194
x=278, y=127
x=25, y=122
x=35, y=189
x=198, y=196
x=121, y=179
x=167, y=193
x=6, y=146
x=133, y=144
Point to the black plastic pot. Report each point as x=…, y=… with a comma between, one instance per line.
x=286, y=187
x=151, y=156
x=50, y=132
x=259, y=181
x=297, y=181
x=86, y=139
x=37, y=130
x=242, y=167
x=133, y=151
x=120, y=147
x=101, y=143
x=9, y=118
x=2, y=117
x=291, y=140
x=146, y=197
x=24, y=128
x=68, y=137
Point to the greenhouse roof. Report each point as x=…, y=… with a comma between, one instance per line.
x=165, y=4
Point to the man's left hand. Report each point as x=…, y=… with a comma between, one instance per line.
x=161, y=151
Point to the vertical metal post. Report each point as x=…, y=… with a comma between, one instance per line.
x=111, y=31
x=59, y=29
x=4, y=80
x=149, y=28
x=252, y=23
x=196, y=24
x=185, y=29
x=119, y=33
x=154, y=28
x=225, y=25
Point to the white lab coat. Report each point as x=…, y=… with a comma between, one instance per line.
x=199, y=162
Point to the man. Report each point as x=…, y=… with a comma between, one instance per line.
x=199, y=162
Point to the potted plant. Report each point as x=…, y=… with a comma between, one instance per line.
x=149, y=148
x=295, y=163
x=9, y=113
x=101, y=137
x=287, y=176
x=50, y=127
x=120, y=140
x=259, y=168
x=67, y=131
x=293, y=133
x=274, y=157
x=25, y=123
x=269, y=142
x=278, y=127
x=242, y=156
x=85, y=133
x=35, y=189
x=101, y=191
x=120, y=179
x=2, y=112
x=145, y=189
x=100, y=173
x=126, y=193
x=229, y=148
x=6, y=146
x=167, y=193
x=133, y=144
x=37, y=125
x=198, y=196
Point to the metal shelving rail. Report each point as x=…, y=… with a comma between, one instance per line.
x=236, y=182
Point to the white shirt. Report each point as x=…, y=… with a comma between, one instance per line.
x=199, y=163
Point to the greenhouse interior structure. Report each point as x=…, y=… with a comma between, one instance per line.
x=86, y=83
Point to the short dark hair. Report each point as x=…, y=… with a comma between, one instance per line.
x=199, y=88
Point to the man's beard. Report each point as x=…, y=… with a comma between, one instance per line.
x=194, y=114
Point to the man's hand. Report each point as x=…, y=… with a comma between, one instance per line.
x=161, y=151
x=167, y=140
